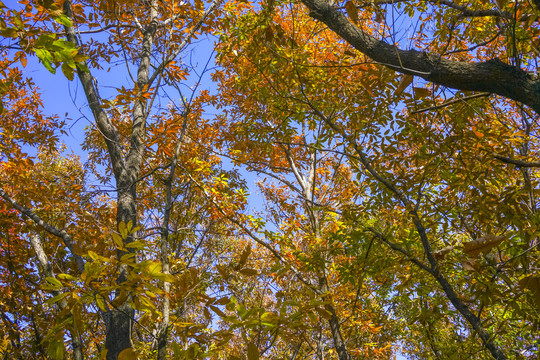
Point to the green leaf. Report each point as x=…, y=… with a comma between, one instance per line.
x=118, y=240
x=53, y=281
x=46, y=59
x=68, y=71
x=64, y=20
x=101, y=303
x=82, y=66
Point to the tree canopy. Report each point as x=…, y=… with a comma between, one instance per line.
x=270, y=180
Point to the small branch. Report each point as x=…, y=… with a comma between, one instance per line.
x=186, y=40
x=451, y=102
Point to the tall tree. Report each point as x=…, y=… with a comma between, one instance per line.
x=106, y=279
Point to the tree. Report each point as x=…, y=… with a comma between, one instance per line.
x=112, y=274
x=430, y=180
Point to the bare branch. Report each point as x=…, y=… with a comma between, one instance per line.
x=451, y=102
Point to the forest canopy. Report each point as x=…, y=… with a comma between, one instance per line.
x=284, y=179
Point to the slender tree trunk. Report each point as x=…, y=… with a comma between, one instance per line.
x=46, y=268
x=119, y=320
x=335, y=326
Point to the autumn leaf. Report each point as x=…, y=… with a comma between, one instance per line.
x=127, y=354
x=405, y=81
x=482, y=245
x=243, y=257
x=352, y=11
x=532, y=283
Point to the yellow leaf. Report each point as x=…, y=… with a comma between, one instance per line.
x=123, y=229
x=243, y=257
x=127, y=354
x=100, y=303
x=66, y=277
x=118, y=240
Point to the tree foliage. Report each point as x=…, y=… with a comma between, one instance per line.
x=395, y=205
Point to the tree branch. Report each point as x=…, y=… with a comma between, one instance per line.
x=104, y=124
x=520, y=163
x=492, y=76
x=450, y=102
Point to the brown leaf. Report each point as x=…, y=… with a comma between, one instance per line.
x=352, y=11
x=243, y=257
x=405, y=81
x=532, y=283
x=324, y=313
x=482, y=245
x=470, y=265
x=223, y=272
x=379, y=16
x=441, y=254
x=127, y=354
x=268, y=33
x=249, y=272
x=217, y=311
x=421, y=92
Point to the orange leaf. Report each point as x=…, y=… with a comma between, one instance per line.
x=405, y=81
